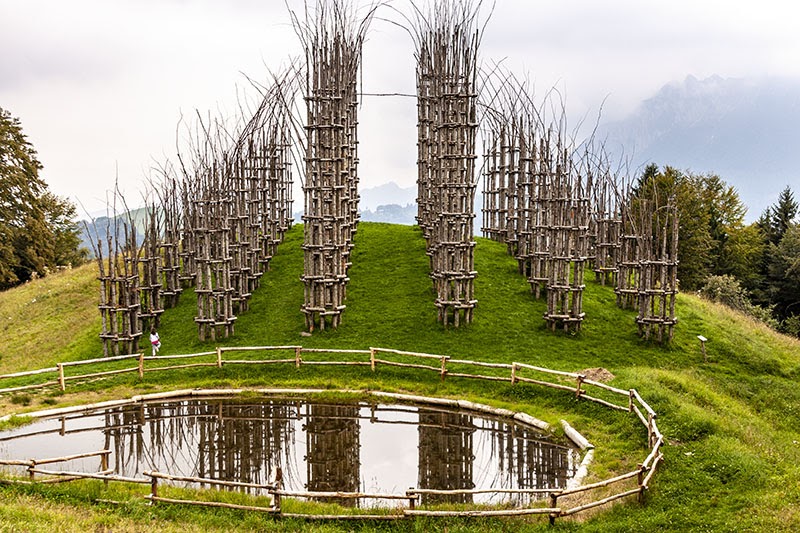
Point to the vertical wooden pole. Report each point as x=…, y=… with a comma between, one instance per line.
x=640, y=480
x=412, y=499
x=61, y=380
x=104, y=464
x=141, y=365
x=276, y=503
x=297, y=357
x=372, y=359
x=553, y=504
x=153, y=488
x=219, y=357
x=578, y=390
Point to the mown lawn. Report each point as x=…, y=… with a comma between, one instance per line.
x=732, y=424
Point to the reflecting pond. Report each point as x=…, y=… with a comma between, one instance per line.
x=358, y=447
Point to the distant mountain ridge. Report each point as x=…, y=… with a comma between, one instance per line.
x=747, y=131
x=387, y=194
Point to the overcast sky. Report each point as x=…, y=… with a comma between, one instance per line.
x=100, y=85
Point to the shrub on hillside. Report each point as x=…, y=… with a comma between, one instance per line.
x=791, y=326
x=728, y=291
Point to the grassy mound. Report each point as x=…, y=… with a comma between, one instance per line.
x=732, y=423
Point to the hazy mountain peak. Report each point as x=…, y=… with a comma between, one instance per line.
x=386, y=194
x=746, y=130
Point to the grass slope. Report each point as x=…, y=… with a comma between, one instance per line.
x=732, y=423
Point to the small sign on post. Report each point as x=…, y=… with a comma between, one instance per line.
x=703, y=347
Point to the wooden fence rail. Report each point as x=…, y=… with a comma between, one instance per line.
x=514, y=372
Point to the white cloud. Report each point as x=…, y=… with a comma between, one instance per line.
x=100, y=85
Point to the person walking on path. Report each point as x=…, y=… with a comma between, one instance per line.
x=155, y=341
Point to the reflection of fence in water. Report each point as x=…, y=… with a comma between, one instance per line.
x=445, y=455
x=333, y=447
x=231, y=442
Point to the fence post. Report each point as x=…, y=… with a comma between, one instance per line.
x=297, y=358
x=141, y=365
x=513, y=373
x=578, y=391
x=444, y=369
x=640, y=481
x=31, y=473
x=553, y=504
x=372, y=358
x=61, y=381
x=630, y=401
x=104, y=464
x=219, y=357
x=153, y=488
x=276, y=498
x=412, y=498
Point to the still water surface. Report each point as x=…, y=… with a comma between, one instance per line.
x=356, y=447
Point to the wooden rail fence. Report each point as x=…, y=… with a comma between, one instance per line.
x=515, y=373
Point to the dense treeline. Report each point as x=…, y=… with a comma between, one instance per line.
x=752, y=267
x=38, y=231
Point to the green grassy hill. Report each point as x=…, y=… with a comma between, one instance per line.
x=732, y=424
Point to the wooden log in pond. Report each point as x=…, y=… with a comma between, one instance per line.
x=576, y=437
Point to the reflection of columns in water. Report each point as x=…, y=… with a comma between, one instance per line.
x=235, y=442
x=445, y=455
x=333, y=447
x=244, y=442
x=529, y=462
x=124, y=428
